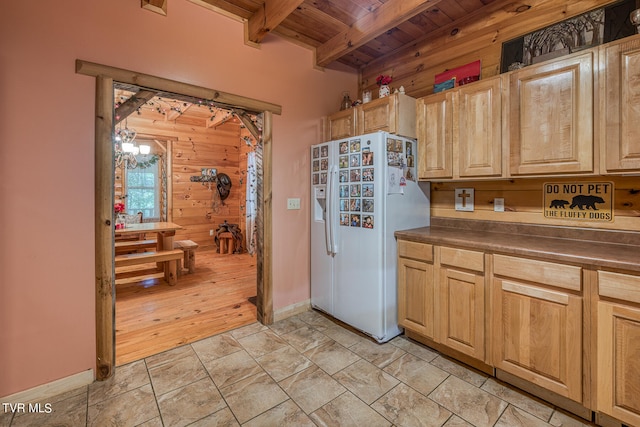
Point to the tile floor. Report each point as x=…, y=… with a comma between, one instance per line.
x=302, y=371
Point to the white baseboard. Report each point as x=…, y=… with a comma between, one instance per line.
x=291, y=310
x=45, y=391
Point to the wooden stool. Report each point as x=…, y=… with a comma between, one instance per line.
x=226, y=243
x=189, y=248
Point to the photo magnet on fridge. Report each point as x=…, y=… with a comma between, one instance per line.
x=368, y=221
x=344, y=162
x=367, y=158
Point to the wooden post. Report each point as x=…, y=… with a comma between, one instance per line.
x=264, y=301
x=104, y=229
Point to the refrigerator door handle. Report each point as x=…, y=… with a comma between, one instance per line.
x=328, y=215
x=334, y=208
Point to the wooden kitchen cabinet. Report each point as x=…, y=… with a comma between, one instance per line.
x=461, y=300
x=620, y=105
x=435, y=144
x=341, y=124
x=416, y=288
x=618, y=338
x=477, y=129
x=537, y=323
x=395, y=114
x=550, y=117
x=460, y=132
x=441, y=296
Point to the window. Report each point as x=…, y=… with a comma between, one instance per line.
x=143, y=191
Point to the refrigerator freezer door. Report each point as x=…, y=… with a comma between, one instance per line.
x=322, y=264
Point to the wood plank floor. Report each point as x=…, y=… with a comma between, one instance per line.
x=152, y=316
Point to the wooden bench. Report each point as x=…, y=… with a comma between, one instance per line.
x=168, y=258
x=129, y=246
x=189, y=248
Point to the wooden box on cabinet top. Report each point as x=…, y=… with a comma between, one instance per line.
x=620, y=105
x=550, y=117
x=395, y=114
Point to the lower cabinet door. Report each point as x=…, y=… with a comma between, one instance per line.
x=461, y=305
x=416, y=297
x=538, y=336
x=619, y=362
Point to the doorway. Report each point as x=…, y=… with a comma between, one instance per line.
x=104, y=227
x=188, y=143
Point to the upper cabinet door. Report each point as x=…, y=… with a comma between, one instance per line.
x=477, y=124
x=395, y=114
x=341, y=124
x=435, y=150
x=551, y=117
x=620, y=106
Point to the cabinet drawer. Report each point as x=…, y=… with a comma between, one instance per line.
x=421, y=251
x=620, y=286
x=548, y=273
x=462, y=258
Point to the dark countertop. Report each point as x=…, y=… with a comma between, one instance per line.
x=586, y=247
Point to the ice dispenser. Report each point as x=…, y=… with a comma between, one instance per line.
x=319, y=205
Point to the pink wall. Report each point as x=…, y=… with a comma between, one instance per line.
x=46, y=156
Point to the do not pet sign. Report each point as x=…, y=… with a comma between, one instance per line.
x=587, y=201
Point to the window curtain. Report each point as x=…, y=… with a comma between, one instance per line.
x=251, y=203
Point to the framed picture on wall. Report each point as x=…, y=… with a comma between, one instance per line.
x=572, y=35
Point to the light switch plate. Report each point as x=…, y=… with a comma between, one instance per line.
x=293, y=203
x=464, y=199
x=498, y=204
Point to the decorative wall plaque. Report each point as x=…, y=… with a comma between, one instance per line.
x=583, y=201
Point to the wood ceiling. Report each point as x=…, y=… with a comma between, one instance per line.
x=354, y=32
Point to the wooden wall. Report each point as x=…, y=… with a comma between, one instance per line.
x=197, y=206
x=416, y=66
x=191, y=146
x=523, y=200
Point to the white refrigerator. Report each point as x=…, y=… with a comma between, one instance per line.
x=363, y=189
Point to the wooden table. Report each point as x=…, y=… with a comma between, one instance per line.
x=165, y=232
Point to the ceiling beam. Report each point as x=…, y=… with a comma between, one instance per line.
x=268, y=17
x=389, y=15
x=132, y=104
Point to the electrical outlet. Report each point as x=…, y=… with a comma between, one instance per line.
x=293, y=203
x=498, y=204
x=210, y=232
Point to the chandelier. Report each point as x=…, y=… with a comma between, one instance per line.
x=126, y=149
